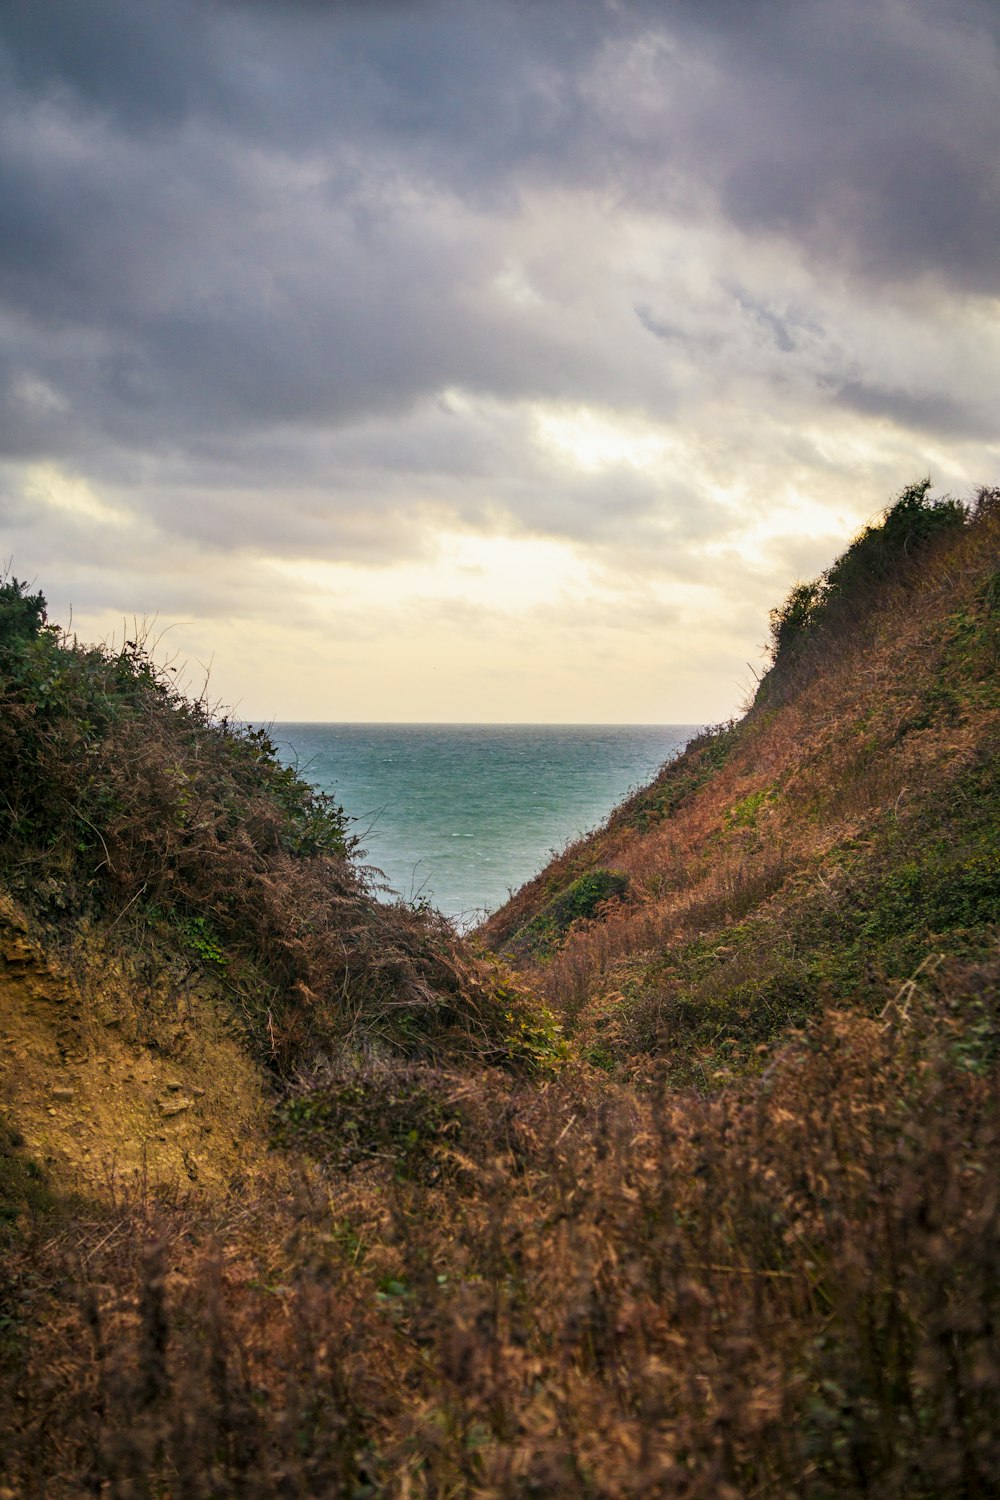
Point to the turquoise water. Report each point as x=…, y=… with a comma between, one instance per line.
x=462, y=814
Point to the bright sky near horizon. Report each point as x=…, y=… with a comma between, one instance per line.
x=484, y=360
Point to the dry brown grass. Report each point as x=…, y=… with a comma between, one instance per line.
x=784, y=1283
x=884, y=725
x=788, y=1290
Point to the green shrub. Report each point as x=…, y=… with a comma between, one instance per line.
x=744, y=814
x=883, y=553
x=22, y=615
x=578, y=901
x=409, y=1117
x=792, y=621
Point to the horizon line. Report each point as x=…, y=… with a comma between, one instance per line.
x=487, y=723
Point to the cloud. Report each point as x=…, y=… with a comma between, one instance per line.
x=341, y=281
x=879, y=139
x=933, y=412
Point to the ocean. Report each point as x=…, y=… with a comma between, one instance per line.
x=460, y=815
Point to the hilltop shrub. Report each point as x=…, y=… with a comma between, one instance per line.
x=883, y=553
x=99, y=745
x=792, y=621
x=22, y=615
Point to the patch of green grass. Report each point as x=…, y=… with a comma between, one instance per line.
x=744, y=814
x=683, y=778
x=576, y=902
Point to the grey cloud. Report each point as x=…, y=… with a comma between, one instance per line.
x=465, y=76
x=872, y=133
x=865, y=132
x=779, y=328
x=704, y=340
x=231, y=297
x=143, y=62
x=246, y=245
x=866, y=129
x=931, y=411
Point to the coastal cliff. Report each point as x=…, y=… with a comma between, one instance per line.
x=678, y=1178
x=817, y=852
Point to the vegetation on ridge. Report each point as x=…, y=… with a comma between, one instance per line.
x=817, y=851
x=887, y=552
x=128, y=804
x=737, y=1237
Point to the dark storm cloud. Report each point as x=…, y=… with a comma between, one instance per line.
x=141, y=62
x=443, y=78
x=235, y=237
x=873, y=131
x=921, y=412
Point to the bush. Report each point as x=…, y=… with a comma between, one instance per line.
x=883, y=553
x=576, y=902
x=22, y=615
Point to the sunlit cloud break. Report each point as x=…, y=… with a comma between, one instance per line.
x=465, y=360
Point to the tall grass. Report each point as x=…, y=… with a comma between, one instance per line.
x=792, y=1289
x=874, y=754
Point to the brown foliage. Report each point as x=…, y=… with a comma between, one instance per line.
x=184, y=837
x=761, y=818
x=790, y=1290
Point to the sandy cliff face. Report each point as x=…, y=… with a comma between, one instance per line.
x=102, y=1093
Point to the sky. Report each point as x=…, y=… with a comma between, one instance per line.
x=483, y=360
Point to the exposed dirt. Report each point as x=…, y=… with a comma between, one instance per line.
x=101, y=1101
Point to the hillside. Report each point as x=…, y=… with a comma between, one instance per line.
x=818, y=851
x=183, y=923
x=679, y=1180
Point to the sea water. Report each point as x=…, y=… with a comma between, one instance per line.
x=460, y=815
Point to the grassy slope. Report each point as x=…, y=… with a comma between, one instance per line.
x=816, y=852
x=451, y=1280
x=183, y=926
